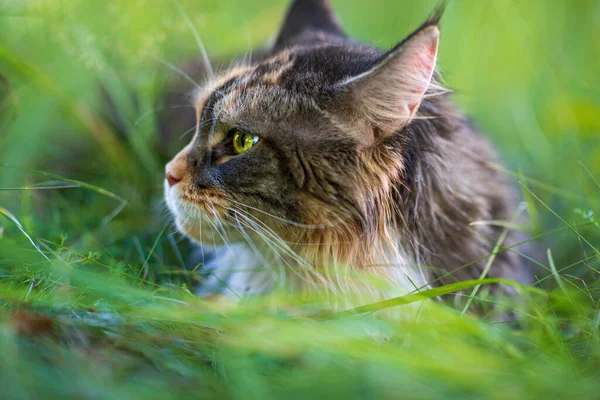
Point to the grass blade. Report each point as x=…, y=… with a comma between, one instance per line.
x=9, y=215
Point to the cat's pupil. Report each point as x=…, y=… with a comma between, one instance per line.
x=243, y=141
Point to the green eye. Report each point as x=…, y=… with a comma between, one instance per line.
x=243, y=141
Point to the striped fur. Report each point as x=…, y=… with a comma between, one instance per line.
x=364, y=166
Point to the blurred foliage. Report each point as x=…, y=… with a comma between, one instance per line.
x=106, y=311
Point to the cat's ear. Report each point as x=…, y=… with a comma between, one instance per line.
x=307, y=15
x=386, y=98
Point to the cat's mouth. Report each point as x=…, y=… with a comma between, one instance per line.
x=198, y=214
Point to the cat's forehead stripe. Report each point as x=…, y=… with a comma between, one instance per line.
x=269, y=71
x=224, y=93
x=219, y=85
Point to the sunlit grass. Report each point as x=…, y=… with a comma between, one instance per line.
x=94, y=299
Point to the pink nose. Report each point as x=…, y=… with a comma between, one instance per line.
x=176, y=169
x=172, y=179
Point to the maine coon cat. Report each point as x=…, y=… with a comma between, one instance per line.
x=325, y=162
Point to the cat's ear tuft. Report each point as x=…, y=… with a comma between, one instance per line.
x=307, y=15
x=437, y=13
x=387, y=96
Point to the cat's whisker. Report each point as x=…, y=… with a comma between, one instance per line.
x=264, y=232
x=157, y=110
x=269, y=243
x=167, y=214
x=427, y=117
x=247, y=237
x=189, y=216
x=197, y=126
x=303, y=264
x=217, y=219
x=250, y=53
x=200, y=237
x=260, y=231
x=176, y=70
x=379, y=165
x=172, y=228
x=200, y=218
x=279, y=259
x=278, y=242
x=264, y=236
x=248, y=34
x=226, y=242
x=205, y=59
x=211, y=134
x=193, y=128
x=281, y=219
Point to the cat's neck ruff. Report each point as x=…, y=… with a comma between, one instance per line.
x=381, y=271
x=342, y=168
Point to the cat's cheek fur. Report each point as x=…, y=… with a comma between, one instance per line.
x=357, y=144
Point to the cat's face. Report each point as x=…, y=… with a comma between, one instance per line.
x=307, y=138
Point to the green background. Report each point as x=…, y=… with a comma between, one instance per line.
x=527, y=72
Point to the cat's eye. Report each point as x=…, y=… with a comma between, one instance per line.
x=243, y=141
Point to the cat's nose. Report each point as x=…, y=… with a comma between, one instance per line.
x=175, y=171
x=172, y=180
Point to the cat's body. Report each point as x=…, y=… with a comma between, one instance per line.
x=355, y=164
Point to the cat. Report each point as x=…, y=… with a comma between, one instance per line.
x=325, y=163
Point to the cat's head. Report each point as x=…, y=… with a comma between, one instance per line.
x=308, y=137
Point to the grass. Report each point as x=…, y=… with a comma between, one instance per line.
x=94, y=302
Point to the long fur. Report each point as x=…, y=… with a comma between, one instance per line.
x=364, y=167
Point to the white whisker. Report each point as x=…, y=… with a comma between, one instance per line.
x=281, y=219
x=197, y=126
x=153, y=111
x=177, y=70
x=205, y=59
x=210, y=138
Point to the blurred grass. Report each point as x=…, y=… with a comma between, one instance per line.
x=122, y=320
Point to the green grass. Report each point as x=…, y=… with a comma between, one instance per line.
x=94, y=302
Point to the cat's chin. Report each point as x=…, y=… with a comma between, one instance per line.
x=194, y=221
x=200, y=227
